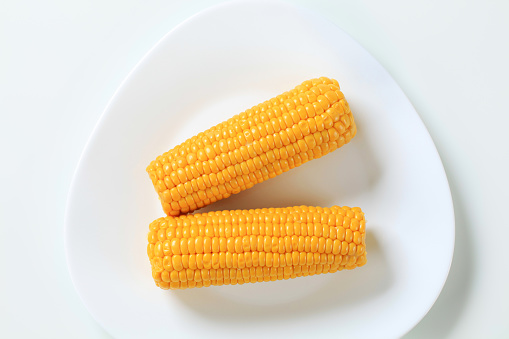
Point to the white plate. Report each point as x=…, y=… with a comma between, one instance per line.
x=217, y=64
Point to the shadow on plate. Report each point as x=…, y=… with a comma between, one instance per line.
x=443, y=317
x=293, y=298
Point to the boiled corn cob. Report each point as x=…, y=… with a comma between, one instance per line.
x=236, y=247
x=273, y=137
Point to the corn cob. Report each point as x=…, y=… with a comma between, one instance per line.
x=236, y=247
x=273, y=137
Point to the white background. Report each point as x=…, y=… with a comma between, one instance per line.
x=61, y=61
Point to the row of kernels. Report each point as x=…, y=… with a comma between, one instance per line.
x=204, y=274
x=298, y=214
x=257, y=260
x=327, y=210
x=200, y=245
x=221, y=282
x=241, y=229
x=178, y=262
x=242, y=273
x=217, y=281
x=229, y=259
x=241, y=276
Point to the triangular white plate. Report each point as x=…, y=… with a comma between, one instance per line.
x=214, y=65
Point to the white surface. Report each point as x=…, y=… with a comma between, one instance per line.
x=391, y=169
x=60, y=62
